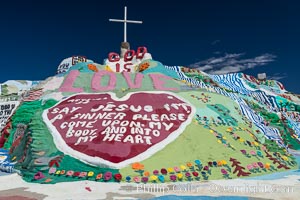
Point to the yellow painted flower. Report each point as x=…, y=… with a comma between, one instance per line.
x=219, y=141
x=224, y=138
x=90, y=174
x=241, y=140
x=170, y=170
x=285, y=158
x=57, y=172
x=256, y=144
x=153, y=178
x=211, y=131
x=182, y=167
x=180, y=176
x=224, y=162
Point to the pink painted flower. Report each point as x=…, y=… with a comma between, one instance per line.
x=107, y=176
x=82, y=174
x=255, y=165
x=206, y=168
x=263, y=148
x=253, y=153
x=70, y=173
x=176, y=169
x=136, y=179
x=249, y=167
x=52, y=170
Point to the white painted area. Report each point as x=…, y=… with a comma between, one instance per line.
x=129, y=66
x=62, y=146
x=66, y=64
x=99, y=190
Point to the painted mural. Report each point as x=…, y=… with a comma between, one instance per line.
x=136, y=120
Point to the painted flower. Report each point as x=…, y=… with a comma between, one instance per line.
x=128, y=178
x=180, y=176
x=215, y=163
x=161, y=178
x=285, y=158
x=255, y=165
x=146, y=173
x=263, y=148
x=173, y=177
x=259, y=153
x=267, y=165
x=137, y=166
x=210, y=164
x=76, y=174
x=176, y=169
x=220, y=163
x=243, y=151
x=136, y=179
x=188, y=174
x=57, y=172
x=198, y=162
x=107, y=176
x=70, y=173
x=90, y=174
x=99, y=176
x=155, y=172
x=224, y=172
x=182, y=167
x=224, y=162
x=62, y=172
x=52, y=170
x=163, y=171
x=189, y=164
x=82, y=174
x=196, y=174
x=260, y=164
x=249, y=167
x=253, y=153
x=170, y=170
x=118, y=177
x=203, y=173
x=153, y=178
x=145, y=179
x=206, y=168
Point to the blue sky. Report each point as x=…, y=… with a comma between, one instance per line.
x=251, y=36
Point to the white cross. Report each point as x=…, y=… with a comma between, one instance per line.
x=125, y=21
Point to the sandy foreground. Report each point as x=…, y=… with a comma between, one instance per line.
x=13, y=187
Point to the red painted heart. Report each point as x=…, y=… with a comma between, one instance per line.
x=103, y=130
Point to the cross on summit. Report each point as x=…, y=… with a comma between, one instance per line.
x=125, y=45
x=125, y=21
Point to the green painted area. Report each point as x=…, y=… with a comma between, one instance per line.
x=197, y=142
x=224, y=114
x=36, y=150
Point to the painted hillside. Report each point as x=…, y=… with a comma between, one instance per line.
x=134, y=119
